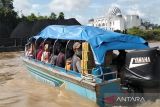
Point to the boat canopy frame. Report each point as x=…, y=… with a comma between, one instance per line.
x=100, y=40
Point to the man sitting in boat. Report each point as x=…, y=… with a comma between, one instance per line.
x=55, y=53
x=76, y=61
x=46, y=54
x=60, y=61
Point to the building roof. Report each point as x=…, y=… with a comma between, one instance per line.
x=28, y=29
x=114, y=11
x=22, y=30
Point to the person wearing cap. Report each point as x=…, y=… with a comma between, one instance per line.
x=76, y=59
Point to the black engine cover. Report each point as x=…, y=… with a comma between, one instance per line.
x=142, y=68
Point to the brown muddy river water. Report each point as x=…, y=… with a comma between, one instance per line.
x=19, y=89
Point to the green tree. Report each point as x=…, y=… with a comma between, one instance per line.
x=40, y=17
x=8, y=4
x=8, y=17
x=32, y=17
x=146, y=34
x=156, y=33
x=8, y=20
x=136, y=31
x=53, y=16
x=23, y=18
x=149, y=35
x=61, y=16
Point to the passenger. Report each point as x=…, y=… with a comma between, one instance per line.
x=76, y=60
x=68, y=64
x=30, y=51
x=51, y=52
x=40, y=51
x=27, y=46
x=60, y=61
x=69, y=55
x=120, y=61
x=54, y=57
x=46, y=54
x=55, y=53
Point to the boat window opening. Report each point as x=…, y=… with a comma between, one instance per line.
x=70, y=55
x=45, y=52
x=38, y=48
x=73, y=56
x=61, y=53
x=58, y=56
x=54, y=53
x=69, y=50
x=115, y=61
x=109, y=68
x=51, y=49
x=120, y=60
x=67, y=47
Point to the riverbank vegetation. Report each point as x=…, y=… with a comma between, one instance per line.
x=150, y=34
x=9, y=18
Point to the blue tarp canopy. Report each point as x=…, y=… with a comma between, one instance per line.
x=100, y=40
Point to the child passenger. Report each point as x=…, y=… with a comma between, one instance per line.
x=46, y=54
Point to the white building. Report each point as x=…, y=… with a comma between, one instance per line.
x=116, y=21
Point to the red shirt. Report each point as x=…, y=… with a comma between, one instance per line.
x=39, y=55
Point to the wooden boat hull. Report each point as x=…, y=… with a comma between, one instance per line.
x=58, y=77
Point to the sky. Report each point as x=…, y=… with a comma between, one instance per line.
x=83, y=10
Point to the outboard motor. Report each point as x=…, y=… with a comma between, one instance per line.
x=142, y=70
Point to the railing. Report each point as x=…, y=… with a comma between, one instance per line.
x=12, y=42
x=93, y=78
